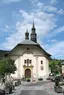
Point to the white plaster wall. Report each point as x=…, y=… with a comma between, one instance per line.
x=20, y=62
x=21, y=69
x=36, y=56
x=34, y=68
x=48, y=68
x=41, y=72
x=30, y=57
x=62, y=68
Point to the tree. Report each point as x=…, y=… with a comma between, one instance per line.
x=7, y=66
x=55, y=66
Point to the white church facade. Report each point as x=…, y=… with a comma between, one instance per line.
x=31, y=60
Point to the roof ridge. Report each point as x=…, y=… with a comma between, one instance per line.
x=28, y=42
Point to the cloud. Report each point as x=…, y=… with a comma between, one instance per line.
x=53, y=2
x=52, y=40
x=50, y=8
x=61, y=12
x=56, y=31
x=9, y=1
x=33, y=1
x=60, y=29
x=57, y=49
x=42, y=7
x=44, y=23
x=6, y=28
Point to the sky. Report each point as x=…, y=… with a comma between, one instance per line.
x=16, y=16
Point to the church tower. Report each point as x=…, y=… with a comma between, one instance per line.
x=33, y=34
x=27, y=35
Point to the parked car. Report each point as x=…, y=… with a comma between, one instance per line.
x=2, y=92
x=51, y=74
x=62, y=75
x=60, y=78
x=51, y=77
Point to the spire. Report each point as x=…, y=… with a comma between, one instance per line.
x=33, y=28
x=33, y=33
x=26, y=35
x=33, y=24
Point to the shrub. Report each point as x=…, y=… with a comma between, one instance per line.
x=17, y=83
x=8, y=87
x=28, y=79
x=40, y=79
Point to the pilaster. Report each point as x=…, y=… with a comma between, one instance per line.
x=18, y=67
x=37, y=67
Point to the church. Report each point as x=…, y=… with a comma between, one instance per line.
x=31, y=60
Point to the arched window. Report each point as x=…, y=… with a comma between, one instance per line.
x=41, y=62
x=30, y=61
x=27, y=61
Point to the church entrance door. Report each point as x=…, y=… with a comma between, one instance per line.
x=27, y=73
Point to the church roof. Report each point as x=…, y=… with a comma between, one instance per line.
x=29, y=42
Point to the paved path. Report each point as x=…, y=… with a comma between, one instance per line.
x=34, y=92
x=50, y=88
x=36, y=89
x=36, y=83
